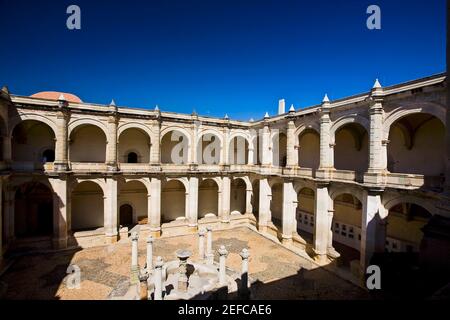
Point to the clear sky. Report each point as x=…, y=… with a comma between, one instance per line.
x=217, y=56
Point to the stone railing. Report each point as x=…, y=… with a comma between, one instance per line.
x=413, y=180
x=88, y=166
x=135, y=167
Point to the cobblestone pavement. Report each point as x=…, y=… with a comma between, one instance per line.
x=278, y=273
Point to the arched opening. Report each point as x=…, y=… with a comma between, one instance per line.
x=417, y=145
x=208, y=198
x=305, y=213
x=174, y=148
x=309, y=149
x=134, y=193
x=279, y=150
x=87, y=206
x=125, y=215
x=208, y=149
x=351, y=148
x=134, y=146
x=346, y=227
x=238, y=196
x=33, y=210
x=132, y=157
x=87, y=144
x=238, y=151
x=405, y=222
x=276, y=204
x=255, y=199
x=173, y=201
x=30, y=139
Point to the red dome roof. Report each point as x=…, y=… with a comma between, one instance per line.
x=54, y=95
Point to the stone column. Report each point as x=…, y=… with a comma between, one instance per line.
x=7, y=150
x=321, y=223
x=193, y=203
x=225, y=152
x=201, y=244
x=326, y=150
x=61, y=147
x=154, y=207
x=149, y=254
x=250, y=154
x=155, y=146
x=195, y=147
x=264, y=204
x=377, y=147
x=373, y=235
x=209, y=251
x=60, y=212
x=265, y=152
x=1, y=220
x=111, y=210
x=111, y=152
x=134, y=273
x=244, y=289
x=226, y=190
x=158, y=279
x=223, y=253
x=248, y=201
x=289, y=222
x=292, y=155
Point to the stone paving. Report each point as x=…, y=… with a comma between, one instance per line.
x=278, y=273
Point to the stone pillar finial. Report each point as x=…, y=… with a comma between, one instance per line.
x=149, y=253
x=134, y=275
x=183, y=255
x=201, y=243
x=223, y=253
x=158, y=278
x=245, y=254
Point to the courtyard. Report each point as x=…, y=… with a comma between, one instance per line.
x=276, y=272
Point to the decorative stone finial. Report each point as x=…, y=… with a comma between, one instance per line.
x=325, y=99
x=226, y=116
x=266, y=115
x=62, y=98
x=112, y=103
x=251, y=120
x=292, y=109
x=223, y=251
x=244, y=253
x=134, y=236
x=159, y=262
x=377, y=84
x=156, y=108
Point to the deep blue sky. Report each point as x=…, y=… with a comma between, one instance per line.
x=216, y=56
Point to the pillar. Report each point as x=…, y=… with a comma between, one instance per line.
x=134, y=273
x=265, y=152
x=61, y=147
x=111, y=152
x=226, y=190
x=60, y=212
x=373, y=228
x=193, y=202
x=201, y=244
x=223, y=253
x=225, y=154
x=154, y=207
x=158, y=279
x=264, y=204
x=250, y=154
x=111, y=211
x=244, y=273
x=321, y=222
x=292, y=155
x=195, y=148
x=155, y=146
x=7, y=150
x=149, y=254
x=326, y=150
x=248, y=201
x=289, y=223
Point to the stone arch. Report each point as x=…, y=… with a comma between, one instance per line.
x=134, y=192
x=237, y=154
x=173, y=199
x=87, y=204
x=278, y=144
x=348, y=119
x=208, y=198
x=238, y=195
x=427, y=204
x=134, y=125
x=167, y=145
x=30, y=139
x=434, y=109
x=307, y=143
x=337, y=190
x=86, y=142
x=37, y=117
x=217, y=146
x=314, y=126
x=134, y=139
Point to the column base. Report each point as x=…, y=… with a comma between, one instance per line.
x=287, y=240
x=59, y=243
x=193, y=228
x=109, y=239
x=262, y=228
x=155, y=232
x=375, y=177
x=111, y=167
x=60, y=166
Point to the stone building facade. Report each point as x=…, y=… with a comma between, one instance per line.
x=364, y=172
